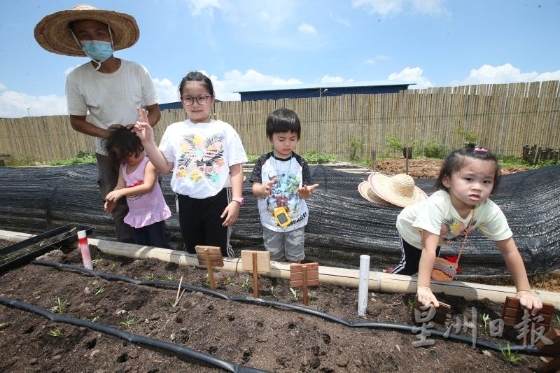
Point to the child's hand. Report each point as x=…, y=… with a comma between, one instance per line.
x=109, y=206
x=142, y=128
x=230, y=214
x=305, y=191
x=426, y=297
x=113, y=196
x=267, y=187
x=530, y=301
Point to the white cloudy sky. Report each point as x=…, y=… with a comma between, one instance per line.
x=247, y=44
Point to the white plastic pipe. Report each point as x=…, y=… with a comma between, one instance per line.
x=363, y=285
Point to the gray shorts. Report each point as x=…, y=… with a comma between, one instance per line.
x=288, y=245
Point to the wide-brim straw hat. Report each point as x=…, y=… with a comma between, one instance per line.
x=53, y=32
x=398, y=190
x=365, y=190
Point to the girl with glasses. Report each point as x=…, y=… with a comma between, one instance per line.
x=206, y=158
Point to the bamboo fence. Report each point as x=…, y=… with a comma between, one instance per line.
x=505, y=117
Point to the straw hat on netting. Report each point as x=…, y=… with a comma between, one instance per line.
x=53, y=32
x=398, y=190
x=365, y=190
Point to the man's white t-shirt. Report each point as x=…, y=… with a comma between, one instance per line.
x=110, y=98
x=438, y=216
x=201, y=154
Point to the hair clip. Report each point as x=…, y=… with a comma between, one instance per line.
x=480, y=150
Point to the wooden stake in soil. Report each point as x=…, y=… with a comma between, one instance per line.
x=304, y=275
x=179, y=294
x=255, y=260
x=514, y=314
x=255, y=277
x=441, y=316
x=210, y=256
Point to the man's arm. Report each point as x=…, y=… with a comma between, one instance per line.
x=154, y=114
x=80, y=124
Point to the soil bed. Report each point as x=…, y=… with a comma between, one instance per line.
x=273, y=339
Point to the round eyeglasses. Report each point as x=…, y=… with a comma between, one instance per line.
x=200, y=100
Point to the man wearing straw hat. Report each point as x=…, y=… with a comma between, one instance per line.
x=110, y=88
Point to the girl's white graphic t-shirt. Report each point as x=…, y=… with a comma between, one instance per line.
x=202, y=154
x=437, y=215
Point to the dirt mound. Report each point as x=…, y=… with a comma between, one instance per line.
x=423, y=168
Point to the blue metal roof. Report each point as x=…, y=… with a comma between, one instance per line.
x=293, y=87
x=327, y=90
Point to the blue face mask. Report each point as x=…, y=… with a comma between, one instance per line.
x=98, y=51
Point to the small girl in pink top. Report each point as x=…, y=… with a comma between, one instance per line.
x=138, y=182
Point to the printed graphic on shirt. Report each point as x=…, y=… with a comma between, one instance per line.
x=454, y=230
x=288, y=176
x=136, y=196
x=284, y=192
x=201, y=157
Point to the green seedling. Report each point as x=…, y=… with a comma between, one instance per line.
x=151, y=277
x=128, y=322
x=41, y=243
x=96, y=261
x=511, y=356
x=558, y=319
x=55, y=332
x=60, y=306
x=272, y=292
x=294, y=293
x=486, y=319
x=113, y=266
x=410, y=304
x=101, y=290
x=229, y=280
x=95, y=319
x=246, y=285
x=170, y=277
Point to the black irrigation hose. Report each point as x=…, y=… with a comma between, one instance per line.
x=131, y=337
x=298, y=308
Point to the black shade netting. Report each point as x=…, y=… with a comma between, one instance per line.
x=342, y=225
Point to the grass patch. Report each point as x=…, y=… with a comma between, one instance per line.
x=312, y=157
x=80, y=158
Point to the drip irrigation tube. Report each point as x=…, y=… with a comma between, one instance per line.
x=131, y=337
x=294, y=307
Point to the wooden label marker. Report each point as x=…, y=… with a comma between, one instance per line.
x=209, y=256
x=304, y=275
x=257, y=261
